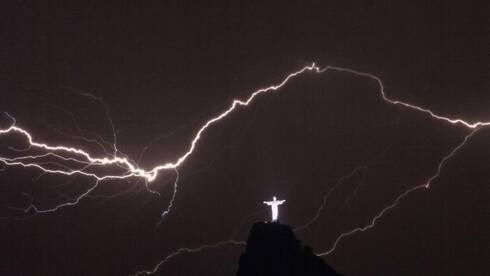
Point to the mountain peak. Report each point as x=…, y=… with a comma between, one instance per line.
x=273, y=249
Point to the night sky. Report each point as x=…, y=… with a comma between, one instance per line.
x=160, y=70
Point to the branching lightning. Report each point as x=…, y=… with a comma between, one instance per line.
x=57, y=207
x=188, y=250
x=425, y=185
x=327, y=196
x=134, y=171
x=67, y=160
x=172, y=198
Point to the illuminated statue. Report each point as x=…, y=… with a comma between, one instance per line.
x=275, y=210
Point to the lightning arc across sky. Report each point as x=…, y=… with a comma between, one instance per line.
x=85, y=161
x=134, y=171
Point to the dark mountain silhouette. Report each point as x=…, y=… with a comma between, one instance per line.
x=272, y=249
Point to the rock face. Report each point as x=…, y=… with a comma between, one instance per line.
x=272, y=249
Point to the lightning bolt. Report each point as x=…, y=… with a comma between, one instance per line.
x=425, y=185
x=131, y=169
x=183, y=250
x=327, y=196
x=172, y=199
x=134, y=171
x=57, y=207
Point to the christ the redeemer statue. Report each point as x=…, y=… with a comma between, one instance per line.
x=275, y=210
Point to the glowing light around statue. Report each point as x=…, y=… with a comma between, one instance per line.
x=274, y=206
